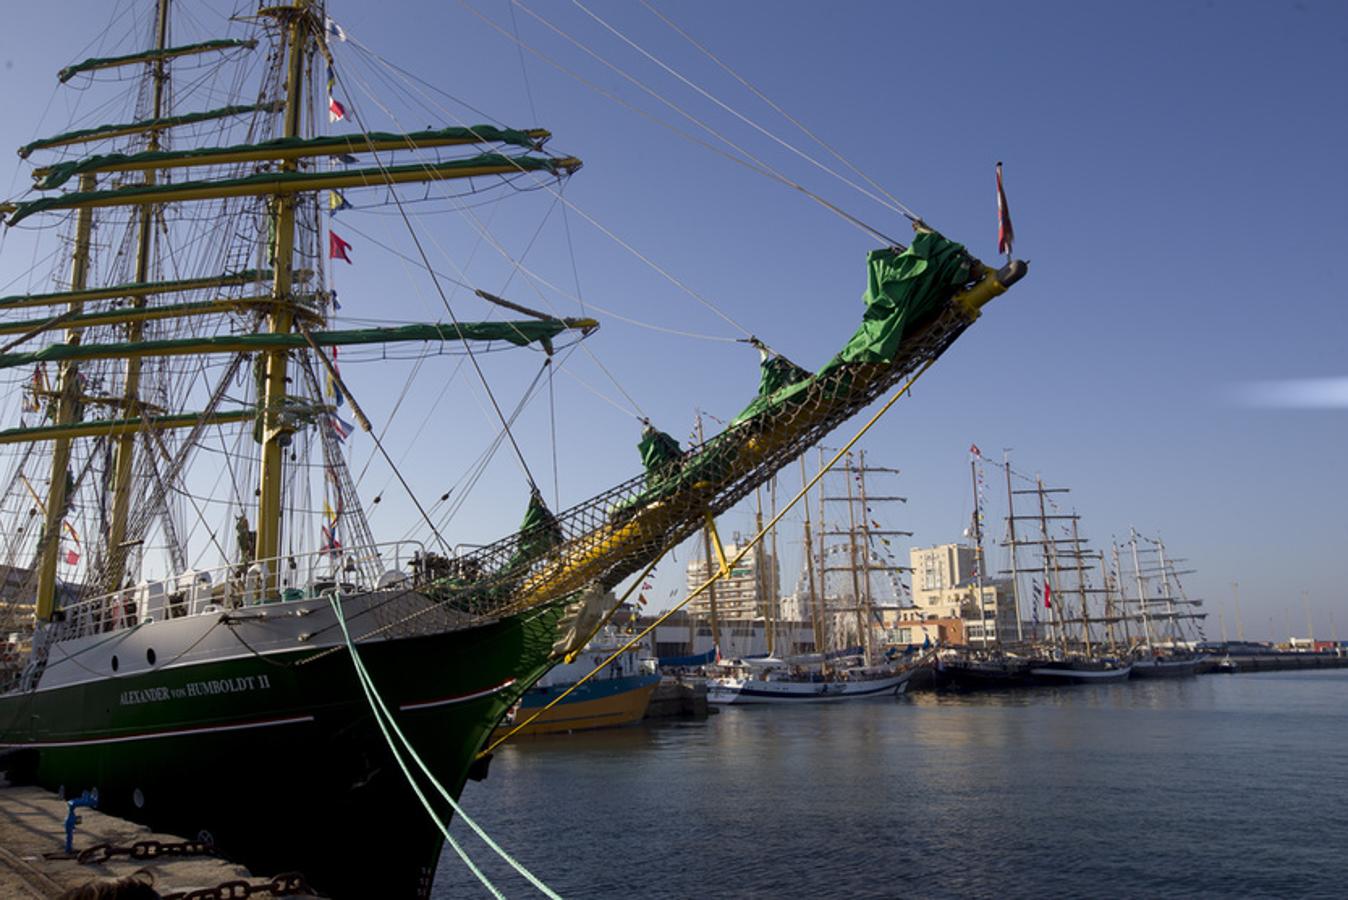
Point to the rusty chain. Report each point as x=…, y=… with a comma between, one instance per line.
x=144, y=850
x=287, y=884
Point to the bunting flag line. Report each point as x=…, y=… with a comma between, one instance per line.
x=336, y=203
x=341, y=427
x=337, y=248
x=336, y=111
x=337, y=397
x=331, y=545
x=1005, y=233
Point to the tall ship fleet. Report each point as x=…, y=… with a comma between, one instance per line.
x=192, y=571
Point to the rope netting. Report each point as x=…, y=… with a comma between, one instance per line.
x=616, y=533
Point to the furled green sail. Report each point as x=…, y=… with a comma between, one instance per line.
x=519, y=333
x=108, y=62
x=59, y=173
x=904, y=289
x=83, y=135
x=658, y=451
x=283, y=182
x=138, y=289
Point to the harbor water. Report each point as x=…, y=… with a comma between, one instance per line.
x=1218, y=786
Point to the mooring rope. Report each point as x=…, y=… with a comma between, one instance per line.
x=383, y=716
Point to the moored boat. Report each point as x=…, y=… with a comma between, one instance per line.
x=1158, y=666
x=1082, y=671
x=981, y=674
x=783, y=685
x=565, y=700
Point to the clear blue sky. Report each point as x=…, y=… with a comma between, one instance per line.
x=1176, y=176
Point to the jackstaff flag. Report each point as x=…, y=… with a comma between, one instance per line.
x=337, y=247
x=1005, y=233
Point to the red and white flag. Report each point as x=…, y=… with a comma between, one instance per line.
x=336, y=111
x=1005, y=233
x=973, y=448
x=337, y=247
x=1048, y=596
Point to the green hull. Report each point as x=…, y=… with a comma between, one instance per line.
x=279, y=757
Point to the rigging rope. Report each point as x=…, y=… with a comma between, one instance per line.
x=662, y=272
x=750, y=161
x=747, y=121
x=383, y=716
x=426, y=264
x=894, y=204
x=728, y=567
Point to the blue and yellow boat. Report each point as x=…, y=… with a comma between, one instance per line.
x=615, y=697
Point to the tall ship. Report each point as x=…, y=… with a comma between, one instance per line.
x=204, y=625
x=840, y=584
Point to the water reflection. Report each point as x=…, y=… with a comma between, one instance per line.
x=1115, y=789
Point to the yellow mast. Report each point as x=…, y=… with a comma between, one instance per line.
x=706, y=552
x=66, y=405
x=124, y=450
x=816, y=615
x=276, y=362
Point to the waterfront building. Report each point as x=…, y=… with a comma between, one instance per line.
x=750, y=592
x=685, y=635
x=946, y=585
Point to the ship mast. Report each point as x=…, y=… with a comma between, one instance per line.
x=816, y=613
x=978, y=561
x=707, y=554
x=67, y=406
x=774, y=571
x=760, y=584
x=1011, y=541
x=123, y=469
x=275, y=363
x=1141, y=593
x=1081, y=586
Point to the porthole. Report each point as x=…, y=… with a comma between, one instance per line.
x=114, y=664
x=149, y=656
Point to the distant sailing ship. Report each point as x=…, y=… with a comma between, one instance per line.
x=196, y=369
x=845, y=613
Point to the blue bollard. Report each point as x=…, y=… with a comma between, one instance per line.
x=85, y=799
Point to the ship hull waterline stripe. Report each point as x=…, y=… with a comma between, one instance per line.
x=840, y=695
x=154, y=735
x=456, y=698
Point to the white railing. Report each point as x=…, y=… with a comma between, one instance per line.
x=205, y=591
